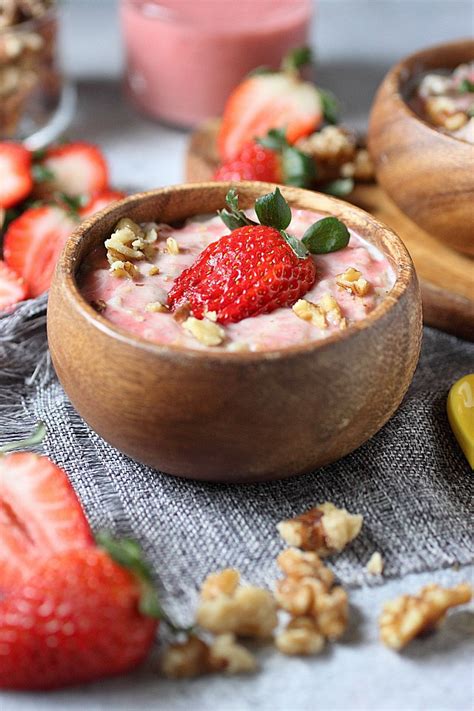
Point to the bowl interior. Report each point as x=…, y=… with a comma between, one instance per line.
x=176, y=203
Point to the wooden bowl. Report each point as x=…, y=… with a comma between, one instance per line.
x=430, y=175
x=233, y=416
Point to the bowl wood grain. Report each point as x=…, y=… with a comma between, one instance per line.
x=428, y=174
x=233, y=416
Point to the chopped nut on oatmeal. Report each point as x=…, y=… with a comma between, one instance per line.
x=238, y=347
x=408, y=616
x=155, y=307
x=226, y=606
x=301, y=636
x=172, y=246
x=126, y=241
x=352, y=280
x=231, y=657
x=324, y=529
x=153, y=270
x=308, y=591
x=332, y=311
x=308, y=311
x=204, y=331
x=186, y=659
x=211, y=315
x=375, y=564
x=124, y=269
x=332, y=145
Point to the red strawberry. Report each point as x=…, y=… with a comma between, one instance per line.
x=33, y=243
x=269, y=100
x=73, y=169
x=254, y=162
x=39, y=513
x=99, y=201
x=15, y=176
x=271, y=160
x=12, y=287
x=75, y=619
x=257, y=268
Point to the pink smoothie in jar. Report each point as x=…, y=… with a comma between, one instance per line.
x=184, y=57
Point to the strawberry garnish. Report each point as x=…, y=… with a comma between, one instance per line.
x=270, y=159
x=81, y=615
x=257, y=268
x=15, y=174
x=99, y=201
x=34, y=241
x=270, y=100
x=73, y=169
x=12, y=287
x=40, y=514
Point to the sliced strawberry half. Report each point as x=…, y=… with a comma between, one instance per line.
x=15, y=174
x=267, y=101
x=12, y=287
x=73, y=169
x=99, y=201
x=39, y=515
x=33, y=243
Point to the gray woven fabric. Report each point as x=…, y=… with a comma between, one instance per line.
x=411, y=482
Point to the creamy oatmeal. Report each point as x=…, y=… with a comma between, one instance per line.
x=446, y=100
x=133, y=294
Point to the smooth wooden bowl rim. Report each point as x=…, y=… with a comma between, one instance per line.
x=67, y=267
x=396, y=80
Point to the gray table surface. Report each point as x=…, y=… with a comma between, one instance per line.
x=356, y=42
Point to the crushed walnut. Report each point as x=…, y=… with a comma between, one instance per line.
x=409, y=616
x=155, y=307
x=124, y=269
x=204, y=331
x=332, y=311
x=194, y=657
x=154, y=270
x=301, y=636
x=324, y=529
x=308, y=590
x=172, y=246
x=308, y=311
x=228, y=607
x=375, y=564
x=353, y=281
x=129, y=241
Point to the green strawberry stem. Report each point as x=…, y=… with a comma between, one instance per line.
x=298, y=168
x=129, y=555
x=326, y=235
x=296, y=59
x=35, y=438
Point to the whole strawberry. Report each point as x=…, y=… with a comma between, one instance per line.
x=80, y=616
x=257, y=268
x=270, y=159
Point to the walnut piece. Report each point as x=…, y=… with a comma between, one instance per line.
x=124, y=269
x=204, y=331
x=126, y=242
x=332, y=311
x=172, y=246
x=308, y=311
x=324, y=529
x=154, y=307
x=308, y=591
x=301, y=636
x=352, y=280
x=226, y=606
x=408, y=616
x=333, y=145
x=194, y=657
x=375, y=564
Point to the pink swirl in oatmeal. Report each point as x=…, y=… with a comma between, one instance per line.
x=350, y=283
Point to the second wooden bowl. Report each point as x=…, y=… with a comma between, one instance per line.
x=430, y=175
x=233, y=416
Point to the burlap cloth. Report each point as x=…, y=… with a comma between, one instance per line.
x=410, y=482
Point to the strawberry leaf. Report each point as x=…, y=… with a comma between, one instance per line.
x=41, y=174
x=466, y=86
x=275, y=139
x=273, y=210
x=331, y=106
x=296, y=245
x=299, y=168
x=339, y=187
x=296, y=59
x=326, y=235
x=234, y=218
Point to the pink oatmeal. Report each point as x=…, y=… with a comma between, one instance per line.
x=134, y=304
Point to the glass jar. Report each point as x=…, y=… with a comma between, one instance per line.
x=184, y=57
x=35, y=103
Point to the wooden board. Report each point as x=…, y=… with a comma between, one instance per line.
x=446, y=277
